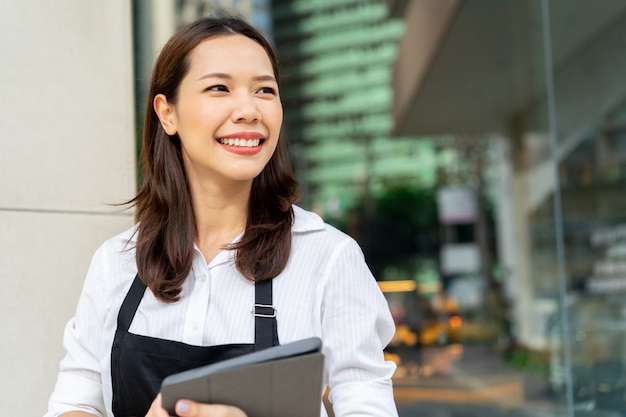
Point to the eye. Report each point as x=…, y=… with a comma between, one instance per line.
x=267, y=90
x=219, y=87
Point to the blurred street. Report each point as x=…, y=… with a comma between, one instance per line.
x=464, y=381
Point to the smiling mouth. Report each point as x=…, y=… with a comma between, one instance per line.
x=244, y=143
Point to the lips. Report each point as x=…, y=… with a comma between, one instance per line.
x=242, y=143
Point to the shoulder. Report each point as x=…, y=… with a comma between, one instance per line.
x=110, y=273
x=311, y=224
x=310, y=231
x=114, y=261
x=120, y=244
x=306, y=221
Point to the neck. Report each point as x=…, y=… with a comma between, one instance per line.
x=220, y=214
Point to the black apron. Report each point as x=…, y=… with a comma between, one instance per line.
x=140, y=363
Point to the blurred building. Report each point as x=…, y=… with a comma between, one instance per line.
x=337, y=62
x=478, y=68
x=537, y=88
x=543, y=82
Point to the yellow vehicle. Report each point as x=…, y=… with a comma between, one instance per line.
x=420, y=320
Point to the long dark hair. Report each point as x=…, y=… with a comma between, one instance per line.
x=164, y=214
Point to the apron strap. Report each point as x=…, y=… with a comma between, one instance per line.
x=130, y=304
x=265, y=325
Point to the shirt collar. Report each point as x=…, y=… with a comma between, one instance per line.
x=306, y=221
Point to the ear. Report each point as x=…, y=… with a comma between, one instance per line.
x=165, y=112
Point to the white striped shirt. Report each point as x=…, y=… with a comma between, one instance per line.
x=326, y=290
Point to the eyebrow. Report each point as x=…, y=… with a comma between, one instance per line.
x=228, y=77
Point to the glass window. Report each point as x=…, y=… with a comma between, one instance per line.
x=476, y=151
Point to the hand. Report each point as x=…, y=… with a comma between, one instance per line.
x=156, y=408
x=187, y=408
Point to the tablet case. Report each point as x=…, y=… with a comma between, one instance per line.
x=282, y=381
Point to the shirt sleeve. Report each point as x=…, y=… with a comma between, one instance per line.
x=356, y=326
x=79, y=384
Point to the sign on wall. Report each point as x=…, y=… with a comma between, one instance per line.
x=456, y=205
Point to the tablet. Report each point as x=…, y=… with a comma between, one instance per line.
x=281, y=381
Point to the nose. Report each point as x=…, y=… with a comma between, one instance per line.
x=245, y=109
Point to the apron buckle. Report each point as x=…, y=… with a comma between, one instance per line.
x=263, y=310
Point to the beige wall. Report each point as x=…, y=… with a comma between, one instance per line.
x=66, y=151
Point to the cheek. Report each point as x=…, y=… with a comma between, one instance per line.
x=198, y=112
x=277, y=116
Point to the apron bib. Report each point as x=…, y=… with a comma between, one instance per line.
x=140, y=363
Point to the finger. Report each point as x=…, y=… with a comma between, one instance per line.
x=186, y=408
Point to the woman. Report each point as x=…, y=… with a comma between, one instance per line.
x=217, y=233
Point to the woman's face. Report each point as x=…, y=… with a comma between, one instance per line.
x=228, y=112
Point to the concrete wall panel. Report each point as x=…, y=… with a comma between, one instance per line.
x=67, y=149
x=67, y=104
x=44, y=258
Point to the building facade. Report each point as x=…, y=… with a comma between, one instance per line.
x=542, y=82
x=520, y=103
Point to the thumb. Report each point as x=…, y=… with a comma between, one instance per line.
x=187, y=408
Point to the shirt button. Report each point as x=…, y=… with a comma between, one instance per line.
x=202, y=278
x=194, y=327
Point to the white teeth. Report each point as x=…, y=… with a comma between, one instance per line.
x=248, y=143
